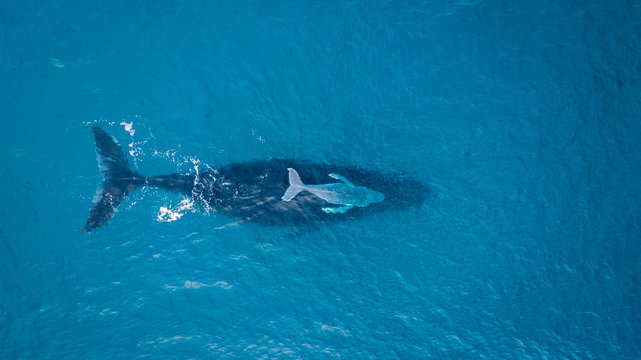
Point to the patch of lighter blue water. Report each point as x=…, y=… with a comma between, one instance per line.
x=523, y=120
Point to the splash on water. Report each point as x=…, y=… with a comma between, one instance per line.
x=169, y=214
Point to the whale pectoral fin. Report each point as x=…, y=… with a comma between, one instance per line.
x=340, y=178
x=235, y=223
x=337, y=210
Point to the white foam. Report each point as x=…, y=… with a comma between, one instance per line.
x=57, y=63
x=166, y=214
x=336, y=329
x=129, y=127
x=193, y=285
x=197, y=285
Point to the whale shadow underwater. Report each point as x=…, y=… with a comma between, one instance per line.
x=255, y=191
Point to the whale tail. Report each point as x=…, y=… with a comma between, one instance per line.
x=295, y=185
x=118, y=179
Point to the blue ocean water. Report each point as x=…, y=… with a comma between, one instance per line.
x=523, y=119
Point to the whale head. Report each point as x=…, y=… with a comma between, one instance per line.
x=375, y=196
x=367, y=196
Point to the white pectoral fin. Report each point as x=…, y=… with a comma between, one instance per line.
x=337, y=210
x=340, y=178
x=295, y=185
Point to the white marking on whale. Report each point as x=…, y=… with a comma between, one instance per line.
x=344, y=193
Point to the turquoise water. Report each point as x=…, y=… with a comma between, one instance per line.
x=522, y=119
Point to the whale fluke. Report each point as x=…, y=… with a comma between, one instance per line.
x=295, y=185
x=118, y=179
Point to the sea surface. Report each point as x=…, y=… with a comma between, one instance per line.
x=522, y=119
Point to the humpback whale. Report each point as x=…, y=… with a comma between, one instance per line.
x=268, y=192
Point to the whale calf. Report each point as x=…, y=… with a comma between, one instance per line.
x=344, y=193
x=258, y=191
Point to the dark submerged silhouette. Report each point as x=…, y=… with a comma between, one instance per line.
x=249, y=191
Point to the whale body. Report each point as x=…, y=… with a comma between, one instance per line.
x=255, y=191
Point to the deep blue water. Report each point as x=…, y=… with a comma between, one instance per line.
x=522, y=118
